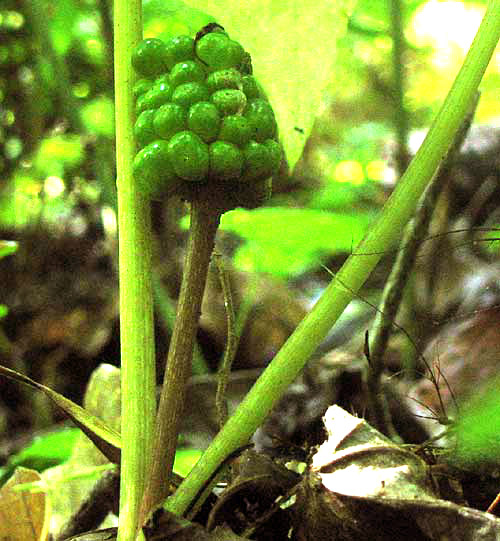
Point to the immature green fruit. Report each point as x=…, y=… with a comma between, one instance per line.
x=229, y=101
x=190, y=93
x=235, y=129
x=219, y=52
x=149, y=57
x=189, y=156
x=186, y=72
x=168, y=120
x=226, y=160
x=250, y=87
x=260, y=116
x=258, y=162
x=143, y=129
x=204, y=119
x=141, y=87
x=159, y=94
x=178, y=49
x=276, y=154
x=230, y=78
x=152, y=169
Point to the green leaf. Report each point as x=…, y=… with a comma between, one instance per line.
x=44, y=451
x=8, y=247
x=292, y=45
x=107, y=440
x=185, y=459
x=286, y=242
x=478, y=428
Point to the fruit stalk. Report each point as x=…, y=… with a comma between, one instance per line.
x=205, y=219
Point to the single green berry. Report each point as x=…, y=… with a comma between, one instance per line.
x=152, y=169
x=229, y=101
x=250, y=87
x=189, y=156
x=204, y=119
x=218, y=52
x=276, y=154
x=178, y=49
x=149, y=57
x=168, y=120
x=235, y=129
x=260, y=116
x=143, y=128
x=141, y=87
x=230, y=78
x=186, y=72
x=189, y=94
x=156, y=96
x=211, y=46
x=226, y=160
x=258, y=162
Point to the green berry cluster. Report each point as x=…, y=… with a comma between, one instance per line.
x=201, y=117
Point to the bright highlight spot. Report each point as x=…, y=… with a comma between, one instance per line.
x=349, y=171
x=449, y=27
x=53, y=186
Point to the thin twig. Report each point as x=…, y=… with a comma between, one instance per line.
x=393, y=291
x=231, y=343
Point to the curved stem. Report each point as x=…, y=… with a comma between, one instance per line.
x=382, y=236
x=204, y=222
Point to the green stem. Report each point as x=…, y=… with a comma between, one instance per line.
x=400, y=112
x=204, y=223
x=294, y=354
x=136, y=301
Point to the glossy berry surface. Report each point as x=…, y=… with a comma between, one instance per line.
x=152, y=168
x=149, y=57
x=201, y=118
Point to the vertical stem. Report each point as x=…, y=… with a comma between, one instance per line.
x=400, y=112
x=136, y=302
x=204, y=223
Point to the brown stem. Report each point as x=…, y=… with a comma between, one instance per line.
x=205, y=217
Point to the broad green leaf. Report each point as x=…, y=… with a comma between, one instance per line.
x=43, y=452
x=286, y=242
x=478, y=428
x=292, y=45
x=106, y=439
x=8, y=247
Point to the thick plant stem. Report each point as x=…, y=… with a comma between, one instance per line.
x=204, y=222
x=381, y=237
x=136, y=300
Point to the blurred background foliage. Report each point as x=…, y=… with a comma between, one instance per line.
x=57, y=116
x=57, y=189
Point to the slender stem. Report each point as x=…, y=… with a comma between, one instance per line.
x=204, y=223
x=400, y=112
x=294, y=354
x=231, y=345
x=136, y=300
